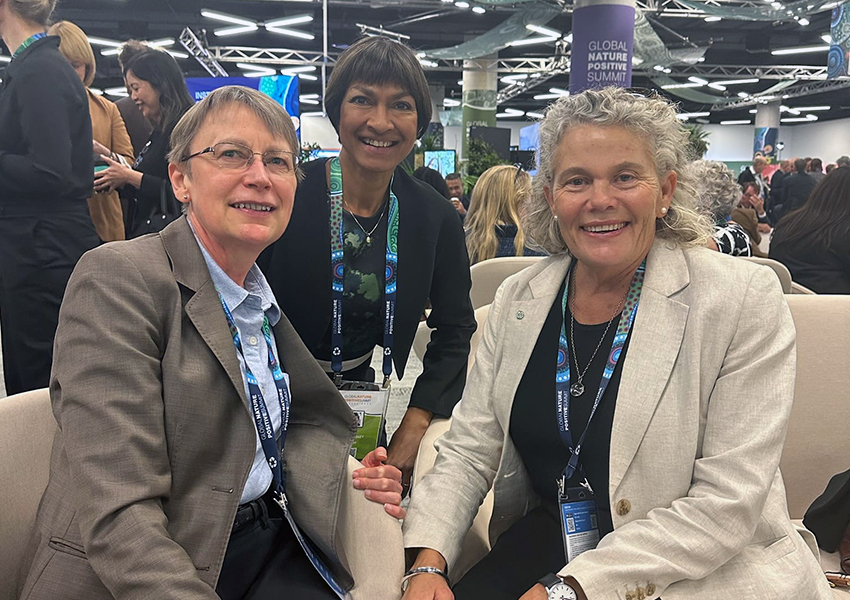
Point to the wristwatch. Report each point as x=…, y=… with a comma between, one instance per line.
x=556, y=588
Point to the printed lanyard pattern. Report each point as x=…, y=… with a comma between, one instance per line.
x=338, y=275
x=562, y=374
x=259, y=410
x=29, y=42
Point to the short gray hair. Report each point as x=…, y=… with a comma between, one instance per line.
x=652, y=119
x=717, y=189
x=276, y=119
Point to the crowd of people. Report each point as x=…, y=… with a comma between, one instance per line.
x=196, y=372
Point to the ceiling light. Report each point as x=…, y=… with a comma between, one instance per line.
x=211, y=14
x=829, y=6
x=667, y=71
x=677, y=86
x=289, y=32
x=561, y=91
x=508, y=115
x=701, y=59
x=95, y=91
x=713, y=19
x=753, y=111
x=798, y=120
x=309, y=96
x=103, y=42
x=253, y=67
x=161, y=43
x=533, y=40
x=460, y=82
x=568, y=38
x=799, y=50
x=776, y=5
x=116, y=91
x=427, y=63
x=698, y=80
x=516, y=78
x=658, y=68
x=738, y=122
x=312, y=102
x=479, y=10
x=304, y=76
x=811, y=108
x=259, y=73
x=787, y=109
x=543, y=30
x=636, y=61
x=826, y=38
x=111, y=51
x=317, y=113
x=235, y=30
x=449, y=102
x=548, y=96
x=462, y=4
x=717, y=86
x=290, y=21
x=534, y=115
x=177, y=54
x=301, y=69
x=686, y=116
x=743, y=95
x=447, y=1
x=803, y=22
x=5, y=59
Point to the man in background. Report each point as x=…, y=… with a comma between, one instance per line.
x=754, y=173
x=458, y=198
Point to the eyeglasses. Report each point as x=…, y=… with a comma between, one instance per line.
x=236, y=157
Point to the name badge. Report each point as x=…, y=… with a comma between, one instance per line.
x=579, y=525
x=369, y=403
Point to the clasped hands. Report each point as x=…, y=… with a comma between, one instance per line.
x=380, y=482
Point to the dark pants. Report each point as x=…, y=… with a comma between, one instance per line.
x=264, y=561
x=37, y=255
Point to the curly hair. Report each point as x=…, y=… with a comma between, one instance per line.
x=717, y=189
x=653, y=120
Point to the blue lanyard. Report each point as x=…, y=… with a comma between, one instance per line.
x=29, y=42
x=338, y=277
x=562, y=375
x=262, y=420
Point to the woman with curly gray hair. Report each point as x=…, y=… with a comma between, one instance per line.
x=629, y=397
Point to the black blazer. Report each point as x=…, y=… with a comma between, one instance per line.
x=432, y=264
x=795, y=191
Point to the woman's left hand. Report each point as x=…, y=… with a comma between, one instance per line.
x=381, y=482
x=114, y=177
x=538, y=592
x=404, y=445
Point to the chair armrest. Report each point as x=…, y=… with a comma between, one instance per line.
x=370, y=545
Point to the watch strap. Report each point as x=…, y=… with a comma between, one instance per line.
x=549, y=580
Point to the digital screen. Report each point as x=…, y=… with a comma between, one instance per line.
x=281, y=88
x=441, y=160
x=529, y=136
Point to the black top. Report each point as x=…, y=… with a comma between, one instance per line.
x=153, y=166
x=795, y=191
x=363, y=287
x=534, y=417
x=432, y=264
x=506, y=235
x=45, y=131
x=822, y=269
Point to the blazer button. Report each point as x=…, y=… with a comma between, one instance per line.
x=623, y=507
x=520, y=315
x=650, y=589
x=631, y=595
x=641, y=595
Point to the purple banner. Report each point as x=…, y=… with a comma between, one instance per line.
x=603, y=41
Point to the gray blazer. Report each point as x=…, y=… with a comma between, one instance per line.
x=155, y=436
x=696, y=496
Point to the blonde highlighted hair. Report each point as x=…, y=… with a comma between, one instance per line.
x=74, y=46
x=496, y=200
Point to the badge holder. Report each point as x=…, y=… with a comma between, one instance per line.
x=368, y=401
x=579, y=525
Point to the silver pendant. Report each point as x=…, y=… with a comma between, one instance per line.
x=577, y=389
x=368, y=239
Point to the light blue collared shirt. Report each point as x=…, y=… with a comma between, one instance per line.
x=248, y=305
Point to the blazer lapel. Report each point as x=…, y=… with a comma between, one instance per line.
x=204, y=306
x=653, y=348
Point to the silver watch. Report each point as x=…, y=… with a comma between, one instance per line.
x=556, y=588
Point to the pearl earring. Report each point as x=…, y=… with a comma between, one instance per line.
x=663, y=210
x=185, y=196
x=556, y=217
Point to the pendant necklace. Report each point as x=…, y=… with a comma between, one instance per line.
x=577, y=389
x=368, y=233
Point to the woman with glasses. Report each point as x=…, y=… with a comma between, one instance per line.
x=156, y=85
x=45, y=179
x=197, y=436
x=492, y=223
x=369, y=245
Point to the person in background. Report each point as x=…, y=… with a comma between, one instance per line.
x=493, y=225
x=46, y=171
x=843, y=161
x=458, y=198
x=796, y=188
x=433, y=178
x=630, y=394
x=785, y=168
x=110, y=135
x=830, y=167
x=137, y=124
x=157, y=87
x=814, y=241
x=718, y=193
x=396, y=243
x=816, y=170
x=754, y=173
x=752, y=200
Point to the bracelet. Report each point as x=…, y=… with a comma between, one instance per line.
x=419, y=571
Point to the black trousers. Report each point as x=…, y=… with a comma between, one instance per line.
x=38, y=252
x=264, y=561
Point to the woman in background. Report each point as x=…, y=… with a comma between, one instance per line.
x=718, y=192
x=45, y=178
x=157, y=87
x=814, y=241
x=110, y=136
x=493, y=221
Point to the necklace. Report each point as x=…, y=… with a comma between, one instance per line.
x=577, y=389
x=378, y=222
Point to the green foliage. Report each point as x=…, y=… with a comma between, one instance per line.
x=307, y=151
x=428, y=142
x=697, y=141
x=481, y=157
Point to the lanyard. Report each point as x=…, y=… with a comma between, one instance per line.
x=338, y=277
x=562, y=375
x=262, y=420
x=29, y=42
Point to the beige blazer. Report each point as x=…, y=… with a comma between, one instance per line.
x=155, y=436
x=707, y=383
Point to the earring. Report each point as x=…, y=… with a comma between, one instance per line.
x=663, y=210
x=185, y=196
x=556, y=217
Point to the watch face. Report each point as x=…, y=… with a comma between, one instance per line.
x=561, y=591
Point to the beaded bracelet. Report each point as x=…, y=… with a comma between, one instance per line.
x=419, y=571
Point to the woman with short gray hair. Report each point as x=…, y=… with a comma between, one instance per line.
x=717, y=194
x=629, y=398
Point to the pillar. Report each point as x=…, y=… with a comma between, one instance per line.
x=480, y=83
x=603, y=43
x=767, y=131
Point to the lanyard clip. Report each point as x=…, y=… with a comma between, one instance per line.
x=338, y=379
x=386, y=383
x=586, y=485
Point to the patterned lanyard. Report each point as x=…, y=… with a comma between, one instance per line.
x=562, y=375
x=338, y=278
x=29, y=42
x=259, y=410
